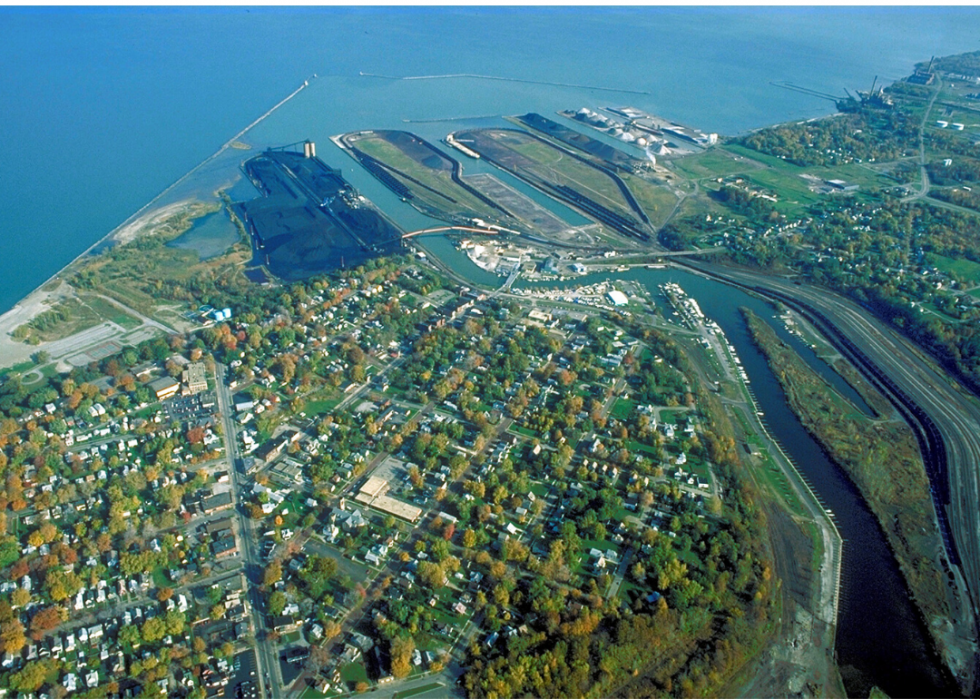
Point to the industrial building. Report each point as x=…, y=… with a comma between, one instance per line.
x=164, y=387
x=372, y=493
x=618, y=298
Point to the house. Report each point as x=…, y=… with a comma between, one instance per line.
x=376, y=554
x=361, y=641
x=243, y=403
x=70, y=681
x=349, y=520
x=284, y=624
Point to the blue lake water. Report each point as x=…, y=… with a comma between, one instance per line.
x=210, y=236
x=104, y=108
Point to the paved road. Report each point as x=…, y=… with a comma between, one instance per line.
x=924, y=187
x=267, y=659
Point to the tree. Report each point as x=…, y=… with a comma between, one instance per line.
x=153, y=630
x=273, y=573
x=401, y=656
x=175, y=622
x=130, y=635
x=33, y=676
x=45, y=620
x=277, y=602
x=432, y=574
x=12, y=636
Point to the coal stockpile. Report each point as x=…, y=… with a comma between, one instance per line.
x=309, y=219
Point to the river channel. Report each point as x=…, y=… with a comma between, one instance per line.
x=881, y=639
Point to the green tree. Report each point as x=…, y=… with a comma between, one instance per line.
x=153, y=630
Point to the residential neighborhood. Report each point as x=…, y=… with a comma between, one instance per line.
x=322, y=501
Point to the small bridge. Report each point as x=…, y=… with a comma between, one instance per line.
x=444, y=229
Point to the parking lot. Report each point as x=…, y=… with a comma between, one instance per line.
x=190, y=408
x=244, y=682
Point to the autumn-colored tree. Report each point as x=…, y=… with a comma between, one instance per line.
x=273, y=573
x=12, y=636
x=45, y=620
x=401, y=656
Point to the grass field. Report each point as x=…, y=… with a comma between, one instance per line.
x=656, y=201
x=439, y=179
x=716, y=162
x=110, y=311
x=130, y=273
x=82, y=312
x=967, y=269
x=550, y=161
x=793, y=191
x=770, y=160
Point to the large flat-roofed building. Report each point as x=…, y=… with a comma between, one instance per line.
x=195, y=378
x=618, y=298
x=374, y=487
x=402, y=510
x=164, y=387
x=373, y=493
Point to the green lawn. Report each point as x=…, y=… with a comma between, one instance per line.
x=641, y=448
x=319, y=407
x=110, y=311
x=622, y=409
x=354, y=673
x=716, y=162
x=968, y=269
x=769, y=160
